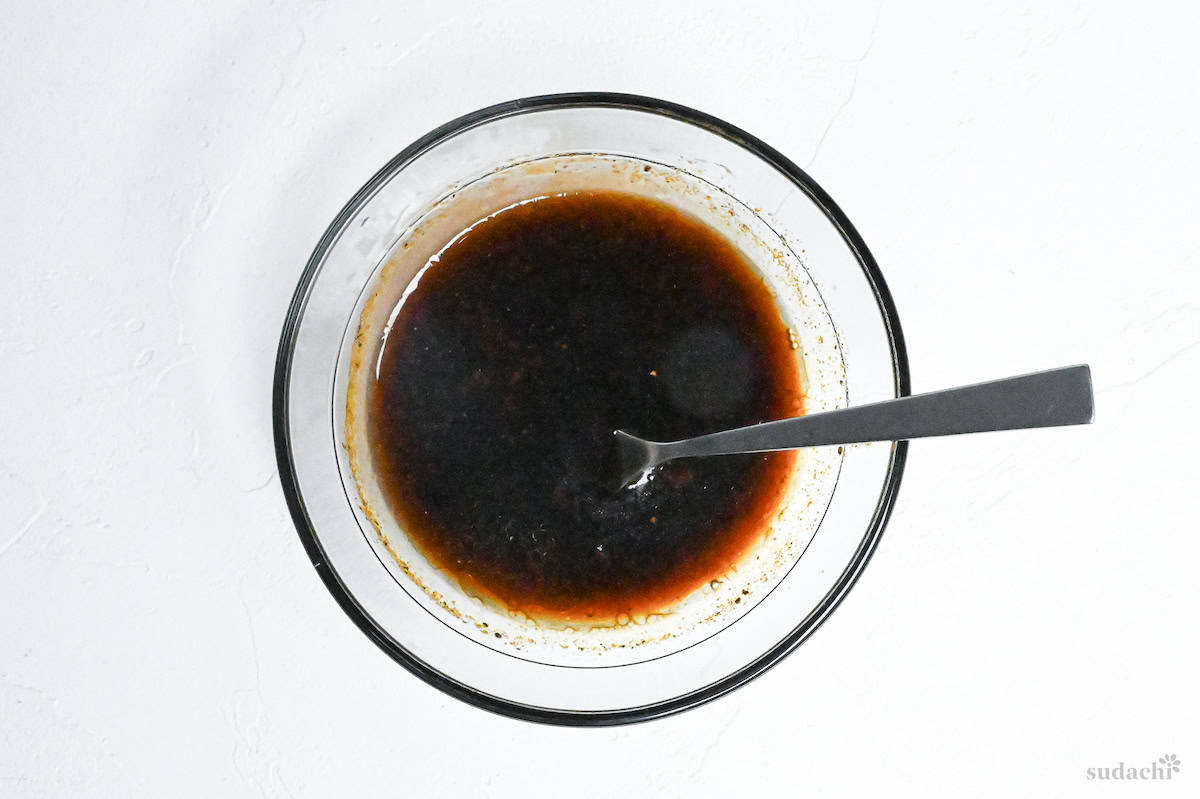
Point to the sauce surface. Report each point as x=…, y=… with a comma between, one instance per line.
x=522, y=347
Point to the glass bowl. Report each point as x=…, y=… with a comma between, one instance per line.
x=849, y=347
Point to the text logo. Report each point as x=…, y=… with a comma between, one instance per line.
x=1164, y=768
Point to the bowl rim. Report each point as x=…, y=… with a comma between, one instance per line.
x=307, y=532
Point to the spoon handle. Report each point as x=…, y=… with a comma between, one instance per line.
x=1042, y=399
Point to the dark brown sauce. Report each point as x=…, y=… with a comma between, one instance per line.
x=506, y=370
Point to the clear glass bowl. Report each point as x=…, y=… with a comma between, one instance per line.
x=830, y=290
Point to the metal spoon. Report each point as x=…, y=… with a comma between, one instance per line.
x=1042, y=399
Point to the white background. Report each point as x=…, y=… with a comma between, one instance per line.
x=1025, y=173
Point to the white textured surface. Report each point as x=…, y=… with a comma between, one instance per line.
x=1025, y=174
